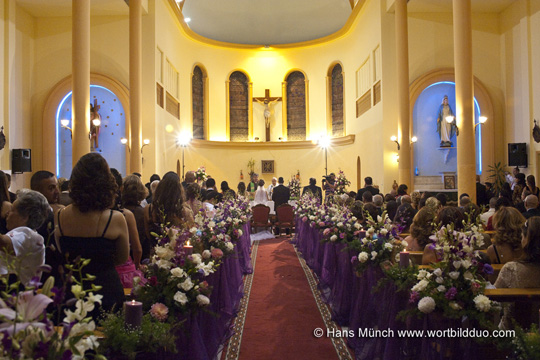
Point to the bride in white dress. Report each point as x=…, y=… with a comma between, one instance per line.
x=261, y=196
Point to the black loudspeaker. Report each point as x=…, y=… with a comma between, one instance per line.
x=517, y=154
x=21, y=160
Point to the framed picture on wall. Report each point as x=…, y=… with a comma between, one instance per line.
x=449, y=181
x=267, y=166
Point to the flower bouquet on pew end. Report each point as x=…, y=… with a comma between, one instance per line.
x=176, y=278
x=455, y=285
x=26, y=328
x=339, y=224
x=309, y=209
x=379, y=246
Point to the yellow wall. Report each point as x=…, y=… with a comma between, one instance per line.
x=38, y=56
x=267, y=69
x=520, y=49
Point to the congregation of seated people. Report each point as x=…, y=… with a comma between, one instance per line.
x=121, y=213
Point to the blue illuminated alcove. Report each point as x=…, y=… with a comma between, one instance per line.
x=428, y=158
x=113, y=128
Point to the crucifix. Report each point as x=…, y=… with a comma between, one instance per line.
x=267, y=101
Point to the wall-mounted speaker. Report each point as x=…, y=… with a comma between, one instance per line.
x=21, y=160
x=517, y=154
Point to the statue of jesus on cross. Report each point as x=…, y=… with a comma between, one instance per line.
x=267, y=102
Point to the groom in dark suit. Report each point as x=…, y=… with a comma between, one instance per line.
x=281, y=194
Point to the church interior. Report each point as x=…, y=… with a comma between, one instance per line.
x=438, y=96
x=334, y=82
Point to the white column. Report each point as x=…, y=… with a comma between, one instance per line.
x=135, y=83
x=466, y=160
x=402, y=58
x=81, y=78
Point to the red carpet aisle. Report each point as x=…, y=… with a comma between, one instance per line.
x=281, y=311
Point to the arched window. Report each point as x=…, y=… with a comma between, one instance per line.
x=198, y=98
x=238, y=106
x=337, y=101
x=296, y=106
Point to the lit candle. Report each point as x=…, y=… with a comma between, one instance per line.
x=188, y=248
x=404, y=259
x=133, y=313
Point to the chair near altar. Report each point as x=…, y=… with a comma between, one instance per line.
x=260, y=217
x=285, y=217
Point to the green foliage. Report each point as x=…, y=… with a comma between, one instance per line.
x=496, y=176
x=527, y=343
x=152, y=337
x=402, y=278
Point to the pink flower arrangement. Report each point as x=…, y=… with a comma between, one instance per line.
x=159, y=311
x=217, y=253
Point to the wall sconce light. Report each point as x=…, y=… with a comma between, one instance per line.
x=481, y=120
x=394, y=139
x=124, y=141
x=65, y=123
x=145, y=142
x=414, y=139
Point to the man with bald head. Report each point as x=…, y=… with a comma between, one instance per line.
x=531, y=204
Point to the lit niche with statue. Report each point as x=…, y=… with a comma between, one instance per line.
x=435, y=126
x=107, y=126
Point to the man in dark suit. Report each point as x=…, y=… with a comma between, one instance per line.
x=531, y=204
x=281, y=194
x=313, y=188
x=481, y=193
x=211, y=191
x=367, y=187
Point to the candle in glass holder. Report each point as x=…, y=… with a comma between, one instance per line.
x=404, y=259
x=188, y=248
x=133, y=313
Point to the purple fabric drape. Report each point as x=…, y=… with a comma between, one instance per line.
x=244, y=249
x=204, y=332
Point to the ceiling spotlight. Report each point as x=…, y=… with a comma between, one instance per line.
x=449, y=119
x=124, y=141
x=187, y=20
x=64, y=122
x=414, y=139
x=482, y=119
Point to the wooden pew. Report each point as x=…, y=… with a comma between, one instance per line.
x=513, y=294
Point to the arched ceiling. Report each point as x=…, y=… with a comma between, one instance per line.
x=263, y=22
x=259, y=22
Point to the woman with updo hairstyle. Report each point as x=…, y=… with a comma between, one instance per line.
x=193, y=192
x=525, y=271
x=507, y=223
x=168, y=206
x=89, y=229
x=421, y=230
x=447, y=215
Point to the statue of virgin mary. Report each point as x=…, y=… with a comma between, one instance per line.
x=445, y=129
